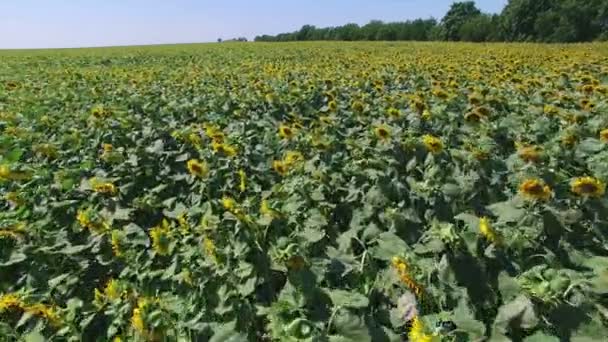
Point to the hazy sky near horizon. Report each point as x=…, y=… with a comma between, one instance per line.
x=78, y=23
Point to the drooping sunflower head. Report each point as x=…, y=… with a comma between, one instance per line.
x=432, y=143
x=475, y=99
x=588, y=187
x=530, y=154
x=604, y=135
x=535, y=189
x=418, y=105
x=440, y=93
x=382, y=132
x=197, y=168
x=286, y=132
x=473, y=117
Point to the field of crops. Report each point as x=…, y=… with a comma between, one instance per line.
x=304, y=192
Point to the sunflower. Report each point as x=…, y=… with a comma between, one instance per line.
x=280, y=167
x=266, y=210
x=486, y=230
x=242, y=180
x=332, y=105
x=403, y=270
x=535, y=189
x=440, y=93
x=419, y=105
x=417, y=332
x=286, y=132
x=475, y=99
x=197, y=168
x=473, y=117
x=604, y=135
x=10, y=301
x=113, y=289
x=229, y=203
x=225, y=149
x=588, y=88
x=105, y=188
x=530, y=154
x=588, y=187
x=569, y=140
x=383, y=132
x=292, y=158
x=550, y=110
x=210, y=248
x=117, y=242
x=432, y=143
x=357, y=106
x=394, y=113
x=160, y=238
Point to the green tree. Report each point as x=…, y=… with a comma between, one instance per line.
x=477, y=29
x=457, y=16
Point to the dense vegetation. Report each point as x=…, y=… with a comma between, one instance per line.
x=520, y=20
x=305, y=192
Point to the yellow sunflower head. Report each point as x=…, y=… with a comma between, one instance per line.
x=604, y=135
x=161, y=238
x=432, y=143
x=228, y=203
x=394, y=113
x=357, y=106
x=293, y=157
x=197, y=168
x=535, y=189
x=286, y=132
x=280, y=167
x=588, y=187
x=383, y=132
x=332, y=105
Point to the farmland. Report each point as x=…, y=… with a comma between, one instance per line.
x=305, y=192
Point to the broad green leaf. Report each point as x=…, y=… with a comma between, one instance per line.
x=520, y=310
x=348, y=299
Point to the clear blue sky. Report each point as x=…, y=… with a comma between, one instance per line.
x=74, y=23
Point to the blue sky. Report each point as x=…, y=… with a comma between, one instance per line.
x=75, y=23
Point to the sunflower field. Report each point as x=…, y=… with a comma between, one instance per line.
x=305, y=192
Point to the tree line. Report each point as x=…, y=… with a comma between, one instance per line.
x=549, y=21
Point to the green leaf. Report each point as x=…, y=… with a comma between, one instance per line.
x=388, y=246
x=15, y=258
x=465, y=320
x=312, y=235
x=34, y=336
x=12, y=156
x=507, y=211
x=227, y=333
x=539, y=336
x=520, y=310
x=348, y=299
x=508, y=287
x=349, y=327
x=590, y=146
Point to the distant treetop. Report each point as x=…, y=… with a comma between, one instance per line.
x=520, y=20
